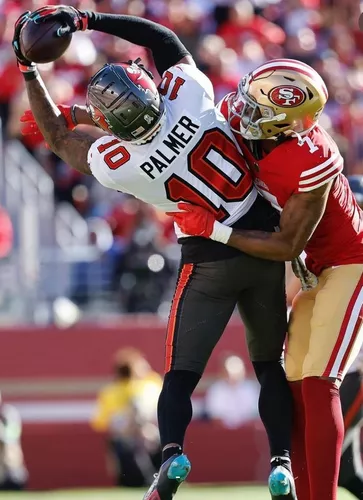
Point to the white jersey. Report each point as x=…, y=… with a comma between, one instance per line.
x=194, y=157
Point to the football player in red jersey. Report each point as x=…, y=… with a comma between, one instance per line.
x=298, y=168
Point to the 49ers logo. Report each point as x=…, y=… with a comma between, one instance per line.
x=287, y=96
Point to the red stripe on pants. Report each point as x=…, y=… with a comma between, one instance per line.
x=183, y=280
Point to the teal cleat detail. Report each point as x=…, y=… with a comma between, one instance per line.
x=279, y=482
x=171, y=474
x=179, y=468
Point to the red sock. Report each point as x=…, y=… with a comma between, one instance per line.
x=324, y=434
x=298, y=455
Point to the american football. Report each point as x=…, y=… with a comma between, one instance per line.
x=40, y=42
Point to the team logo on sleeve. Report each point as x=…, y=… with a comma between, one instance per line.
x=286, y=96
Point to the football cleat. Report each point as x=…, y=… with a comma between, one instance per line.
x=171, y=474
x=281, y=483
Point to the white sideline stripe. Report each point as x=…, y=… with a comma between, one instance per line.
x=321, y=165
x=321, y=175
x=55, y=411
x=70, y=411
x=348, y=334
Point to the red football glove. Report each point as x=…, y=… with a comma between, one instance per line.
x=29, y=125
x=198, y=221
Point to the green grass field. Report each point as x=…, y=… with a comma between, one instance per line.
x=185, y=493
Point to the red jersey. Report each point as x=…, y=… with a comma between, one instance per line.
x=302, y=165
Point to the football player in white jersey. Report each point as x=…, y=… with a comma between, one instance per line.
x=165, y=146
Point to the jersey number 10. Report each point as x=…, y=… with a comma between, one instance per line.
x=214, y=147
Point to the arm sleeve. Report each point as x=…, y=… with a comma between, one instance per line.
x=166, y=48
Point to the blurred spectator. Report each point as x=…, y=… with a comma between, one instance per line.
x=243, y=24
x=185, y=19
x=356, y=185
x=13, y=474
x=220, y=64
x=141, y=267
x=126, y=412
x=6, y=233
x=233, y=399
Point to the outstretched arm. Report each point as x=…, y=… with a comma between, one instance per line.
x=71, y=146
x=166, y=48
x=299, y=218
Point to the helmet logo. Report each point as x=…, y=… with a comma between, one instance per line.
x=286, y=96
x=99, y=118
x=149, y=119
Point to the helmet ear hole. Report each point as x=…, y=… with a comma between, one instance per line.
x=310, y=94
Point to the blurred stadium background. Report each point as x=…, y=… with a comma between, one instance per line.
x=85, y=271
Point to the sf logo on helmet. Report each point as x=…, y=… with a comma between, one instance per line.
x=286, y=96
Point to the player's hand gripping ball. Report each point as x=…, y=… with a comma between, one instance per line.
x=43, y=42
x=45, y=34
x=23, y=62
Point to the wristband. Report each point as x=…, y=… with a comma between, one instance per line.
x=84, y=18
x=221, y=232
x=29, y=71
x=30, y=75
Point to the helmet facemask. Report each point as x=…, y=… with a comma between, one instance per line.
x=123, y=100
x=251, y=115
